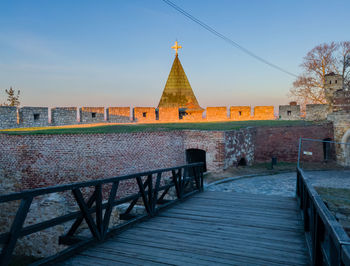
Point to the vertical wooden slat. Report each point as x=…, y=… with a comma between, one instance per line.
x=109, y=208
x=150, y=194
x=156, y=188
x=143, y=195
x=15, y=231
x=98, y=190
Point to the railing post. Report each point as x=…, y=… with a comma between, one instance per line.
x=150, y=194
x=98, y=189
x=15, y=230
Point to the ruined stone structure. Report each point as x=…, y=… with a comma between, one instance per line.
x=317, y=112
x=332, y=83
x=341, y=122
x=289, y=112
x=64, y=116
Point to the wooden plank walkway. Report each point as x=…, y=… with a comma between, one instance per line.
x=210, y=228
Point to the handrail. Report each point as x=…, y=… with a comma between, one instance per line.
x=327, y=241
x=186, y=179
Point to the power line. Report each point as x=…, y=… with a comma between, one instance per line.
x=227, y=39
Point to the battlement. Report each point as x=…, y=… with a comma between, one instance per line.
x=11, y=117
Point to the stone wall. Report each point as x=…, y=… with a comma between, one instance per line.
x=8, y=117
x=118, y=114
x=64, y=116
x=92, y=114
x=33, y=116
x=282, y=142
x=144, y=114
x=240, y=113
x=289, y=112
x=217, y=113
x=264, y=113
x=341, y=124
x=193, y=116
x=317, y=112
x=341, y=101
x=239, y=145
x=168, y=114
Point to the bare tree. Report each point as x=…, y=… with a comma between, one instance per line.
x=308, y=87
x=345, y=62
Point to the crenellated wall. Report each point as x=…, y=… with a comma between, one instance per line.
x=92, y=115
x=11, y=117
x=217, y=113
x=289, y=112
x=144, y=114
x=264, y=113
x=316, y=112
x=8, y=117
x=33, y=116
x=168, y=114
x=64, y=116
x=240, y=113
x=118, y=114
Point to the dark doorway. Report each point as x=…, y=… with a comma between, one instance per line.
x=196, y=156
x=326, y=149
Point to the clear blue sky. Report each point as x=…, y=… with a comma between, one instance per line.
x=117, y=53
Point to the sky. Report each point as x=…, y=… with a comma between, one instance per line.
x=118, y=53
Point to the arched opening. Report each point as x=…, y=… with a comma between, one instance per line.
x=327, y=149
x=242, y=162
x=196, y=156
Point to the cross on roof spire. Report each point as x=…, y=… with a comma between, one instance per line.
x=176, y=47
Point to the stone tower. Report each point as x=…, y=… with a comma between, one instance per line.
x=178, y=92
x=332, y=83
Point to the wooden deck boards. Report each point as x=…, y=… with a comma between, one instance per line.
x=211, y=228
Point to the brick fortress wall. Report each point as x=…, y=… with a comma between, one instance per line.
x=44, y=160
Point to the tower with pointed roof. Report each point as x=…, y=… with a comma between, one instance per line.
x=177, y=91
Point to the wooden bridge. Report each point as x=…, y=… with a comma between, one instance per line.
x=211, y=228
x=207, y=228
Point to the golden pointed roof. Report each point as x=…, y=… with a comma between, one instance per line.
x=178, y=91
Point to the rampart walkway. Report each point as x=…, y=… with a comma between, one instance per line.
x=210, y=228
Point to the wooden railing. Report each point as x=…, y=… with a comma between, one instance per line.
x=151, y=189
x=327, y=241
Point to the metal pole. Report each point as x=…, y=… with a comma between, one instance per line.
x=299, y=150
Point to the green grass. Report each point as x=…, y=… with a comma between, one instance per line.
x=129, y=128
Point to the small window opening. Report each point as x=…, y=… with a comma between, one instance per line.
x=240, y=113
x=144, y=114
x=242, y=162
x=93, y=115
x=330, y=82
x=336, y=81
x=289, y=113
x=36, y=117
